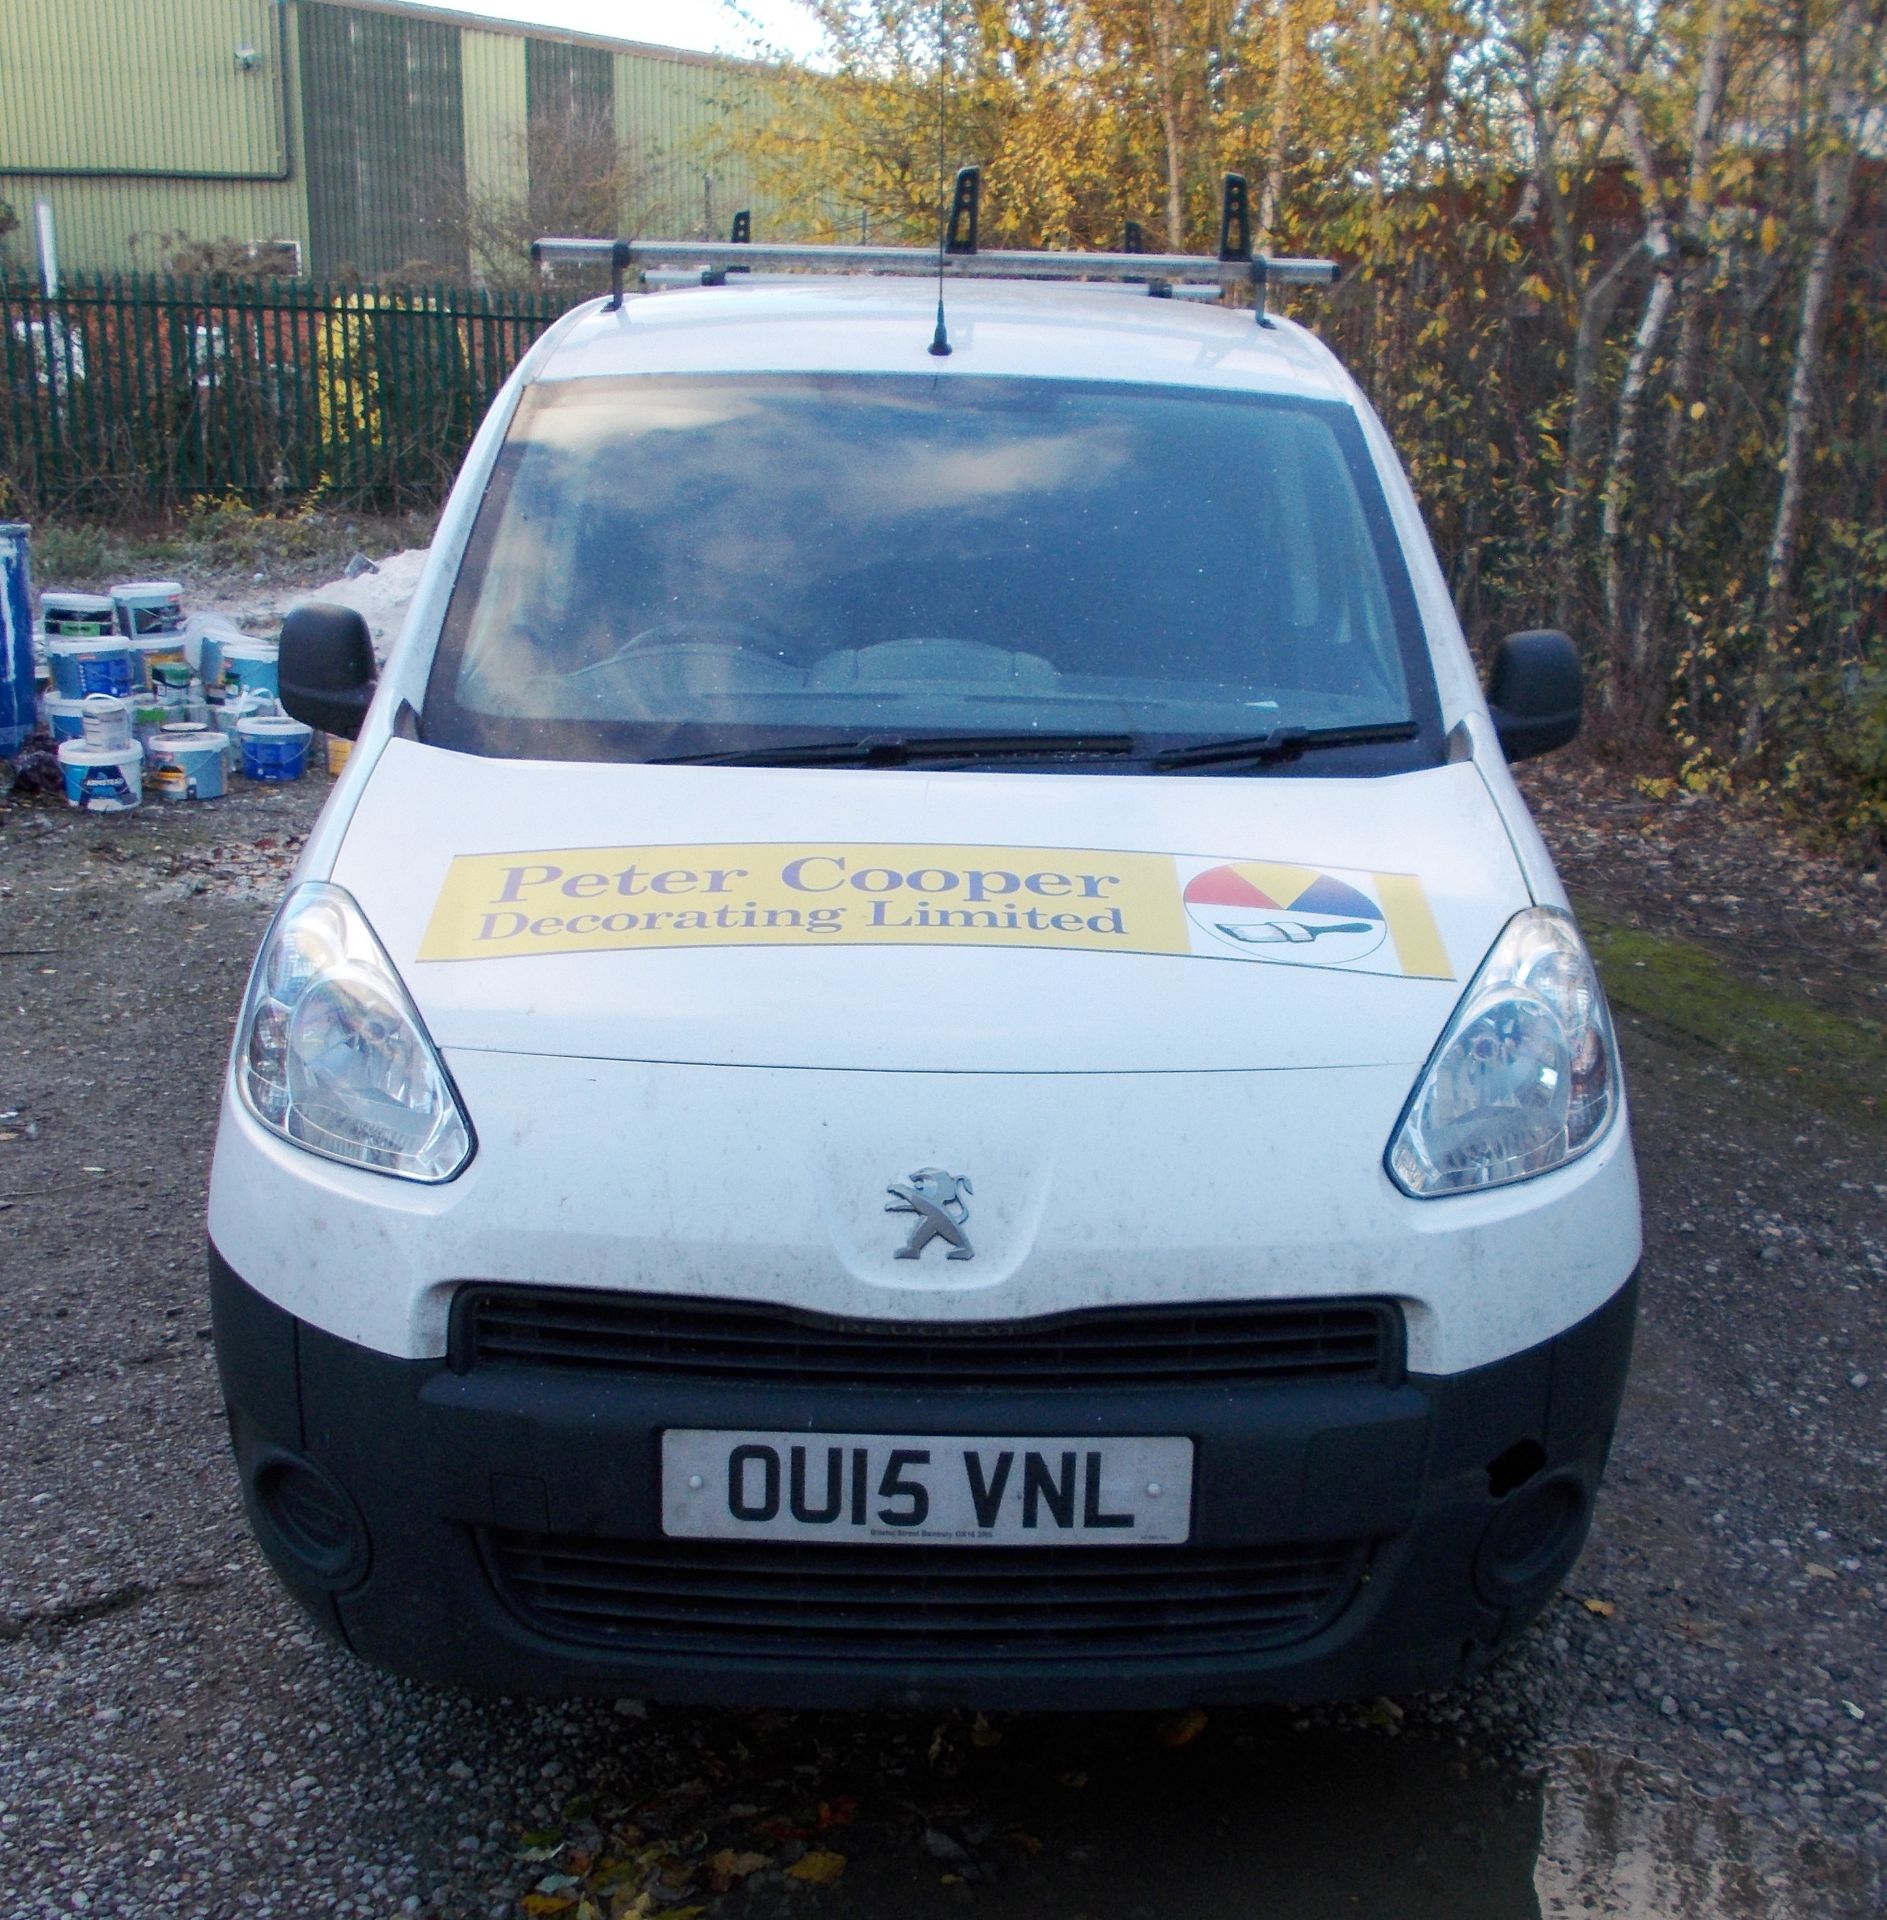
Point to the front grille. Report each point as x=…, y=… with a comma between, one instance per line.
x=933, y=1605
x=1114, y=1347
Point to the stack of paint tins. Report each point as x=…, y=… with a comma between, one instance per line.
x=104, y=766
x=181, y=692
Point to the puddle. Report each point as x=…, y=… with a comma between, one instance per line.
x=1070, y=1819
x=1618, y=1840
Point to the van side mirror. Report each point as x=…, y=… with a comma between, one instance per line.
x=1536, y=692
x=327, y=668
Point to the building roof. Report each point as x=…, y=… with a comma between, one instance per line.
x=534, y=30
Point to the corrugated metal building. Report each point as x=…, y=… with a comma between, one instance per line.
x=357, y=130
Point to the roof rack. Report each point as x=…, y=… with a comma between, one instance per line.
x=708, y=262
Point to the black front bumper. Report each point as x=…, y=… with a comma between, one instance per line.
x=478, y=1528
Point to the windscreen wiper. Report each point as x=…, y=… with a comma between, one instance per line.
x=888, y=750
x=1281, y=743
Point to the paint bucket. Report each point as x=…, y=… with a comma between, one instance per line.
x=19, y=686
x=230, y=708
x=210, y=659
x=339, y=748
x=150, y=711
x=102, y=779
x=154, y=654
x=148, y=607
x=65, y=719
x=76, y=616
x=189, y=762
x=106, y=720
x=80, y=667
x=249, y=666
x=273, y=746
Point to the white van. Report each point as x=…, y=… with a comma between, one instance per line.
x=925, y=1055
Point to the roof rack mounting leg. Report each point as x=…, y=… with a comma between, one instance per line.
x=618, y=266
x=960, y=236
x=1259, y=276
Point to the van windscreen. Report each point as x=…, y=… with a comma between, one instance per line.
x=668, y=568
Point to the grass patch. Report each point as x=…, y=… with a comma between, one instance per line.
x=1836, y=1062
x=218, y=538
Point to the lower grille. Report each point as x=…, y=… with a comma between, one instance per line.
x=936, y=1605
x=1266, y=1342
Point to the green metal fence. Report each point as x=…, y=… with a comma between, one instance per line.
x=141, y=392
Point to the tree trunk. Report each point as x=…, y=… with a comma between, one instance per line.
x=1616, y=490
x=1650, y=650
x=1171, y=131
x=1596, y=307
x=1832, y=199
x=1272, y=189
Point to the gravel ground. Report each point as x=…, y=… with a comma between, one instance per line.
x=1697, y=1726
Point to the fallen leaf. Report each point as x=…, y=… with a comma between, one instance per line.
x=1026, y=1843
x=1816, y=1571
x=731, y=1865
x=837, y=1813
x=982, y=1734
x=1074, y=1779
x=1603, y=1608
x=819, y=1868
x=782, y=1830
x=539, y=1904
x=1182, y=1729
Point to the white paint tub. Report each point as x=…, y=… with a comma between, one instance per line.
x=102, y=779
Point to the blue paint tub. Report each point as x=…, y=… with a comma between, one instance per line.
x=80, y=667
x=273, y=746
x=19, y=678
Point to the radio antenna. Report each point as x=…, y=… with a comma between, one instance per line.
x=940, y=340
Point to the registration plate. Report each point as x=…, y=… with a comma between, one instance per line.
x=966, y=1490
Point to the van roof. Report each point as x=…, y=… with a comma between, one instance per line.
x=852, y=324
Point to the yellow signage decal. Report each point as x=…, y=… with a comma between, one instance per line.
x=1412, y=926
x=602, y=899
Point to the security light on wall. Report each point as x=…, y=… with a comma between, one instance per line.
x=247, y=59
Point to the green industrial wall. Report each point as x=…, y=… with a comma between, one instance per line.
x=134, y=120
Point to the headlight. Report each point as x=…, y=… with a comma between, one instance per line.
x=1526, y=1075
x=330, y=1053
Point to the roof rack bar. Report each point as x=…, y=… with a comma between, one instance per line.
x=618, y=253
x=989, y=264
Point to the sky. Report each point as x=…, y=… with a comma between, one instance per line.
x=711, y=26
